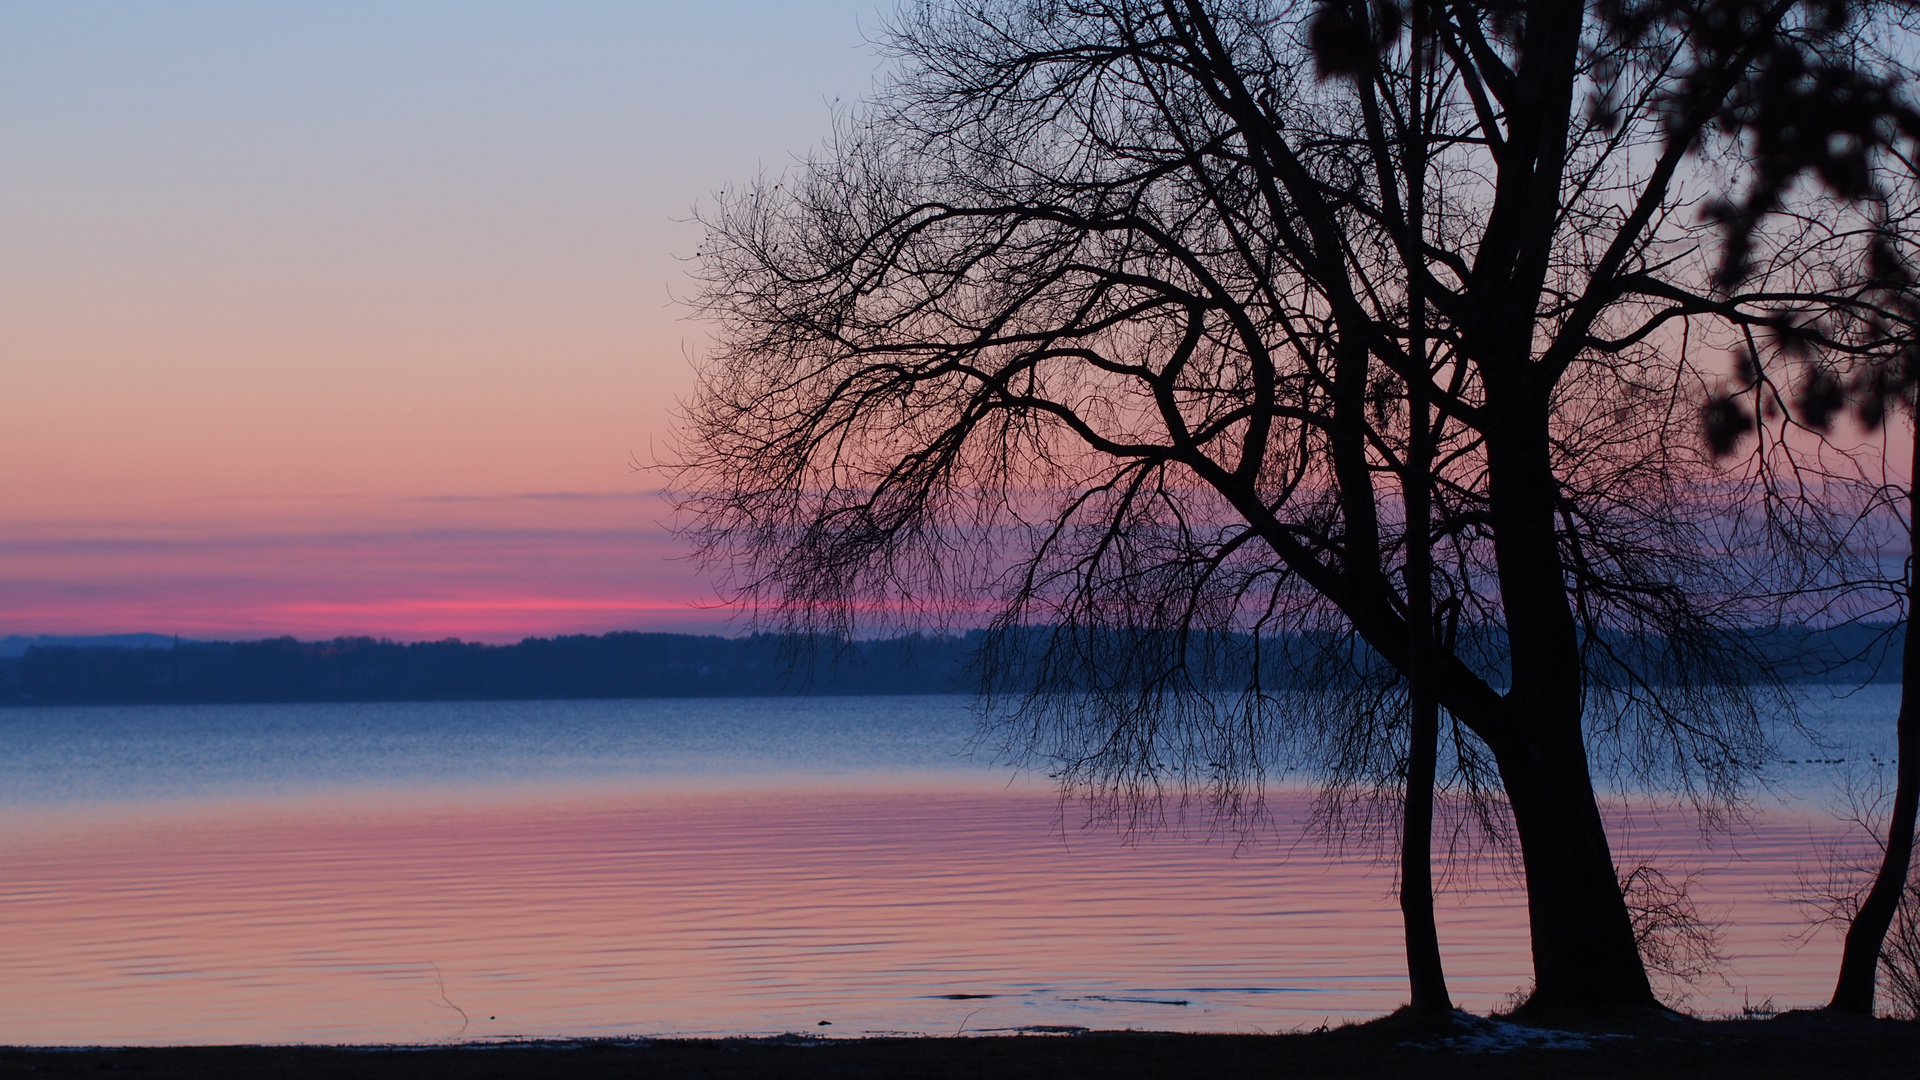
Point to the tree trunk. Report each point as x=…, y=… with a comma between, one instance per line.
x=1426, y=977
x=1860, y=961
x=1585, y=956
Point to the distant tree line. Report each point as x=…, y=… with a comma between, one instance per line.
x=634, y=665
x=620, y=665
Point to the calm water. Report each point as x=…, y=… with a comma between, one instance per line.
x=395, y=872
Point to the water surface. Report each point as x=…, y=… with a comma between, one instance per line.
x=396, y=872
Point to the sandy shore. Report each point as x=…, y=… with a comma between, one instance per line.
x=1792, y=1046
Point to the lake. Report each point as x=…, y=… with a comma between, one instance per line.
x=376, y=873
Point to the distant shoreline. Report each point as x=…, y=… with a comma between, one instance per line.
x=609, y=666
x=149, y=669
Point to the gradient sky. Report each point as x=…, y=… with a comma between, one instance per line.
x=353, y=318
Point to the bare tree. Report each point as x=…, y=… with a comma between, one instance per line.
x=1108, y=323
x=1679, y=943
x=1833, y=126
x=1900, y=958
x=1836, y=886
x=1869, y=920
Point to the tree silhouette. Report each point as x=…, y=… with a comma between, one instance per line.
x=1143, y=330
x=1828, y=119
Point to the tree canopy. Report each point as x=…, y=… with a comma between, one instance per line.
x=1119, y=323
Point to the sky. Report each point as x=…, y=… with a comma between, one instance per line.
x=360, y=318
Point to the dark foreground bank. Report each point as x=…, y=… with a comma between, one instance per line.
x=1793, y=1046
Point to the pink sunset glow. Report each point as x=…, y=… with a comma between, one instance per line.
x=485, y=569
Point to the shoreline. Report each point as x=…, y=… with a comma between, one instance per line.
x=1792, y=1045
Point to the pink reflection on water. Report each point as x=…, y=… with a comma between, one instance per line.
x=769, y=911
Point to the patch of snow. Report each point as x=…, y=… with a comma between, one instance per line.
x=1484, y=1036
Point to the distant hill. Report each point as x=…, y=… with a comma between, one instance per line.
x=364, y=669
x=1858, y=653
x=14, y=646
x=155, y=669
